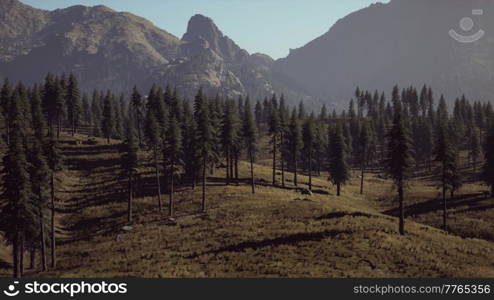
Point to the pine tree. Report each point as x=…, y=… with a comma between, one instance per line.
x=365, y=141
x=129, y=164
x=339, y=170
x=488, y=168
x=308, y=150
x=136, y=103
x=190, y=145
x=283, y=127
x=250, y=139
x=18, y=207
x=96, y=114
x=73, y=103
x=40, y=175
x=55, y=163
x=475, y=146
x=229, y=136
x=118, y=109
x=399, y=159
x=445, y=155
x=204, y=136
x=295, y=143
x=5, y=103
x=59, y=102
x=153, y=134
x=86, y=111
x=108, y=122
x=173, y=150
x=49, y=98
x=274, y=129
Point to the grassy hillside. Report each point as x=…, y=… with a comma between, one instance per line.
x=278, y=232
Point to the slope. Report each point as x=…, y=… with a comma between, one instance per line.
x=275, y=233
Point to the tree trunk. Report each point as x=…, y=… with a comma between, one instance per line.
x=338, y=189
x=310, y=171
x=42, y=237
x=402, y=208
x=362, y=180
x=139, y=128
x=53, y=238
x=228, y=166
x=15, y=255
x=492, y=190
x=236, y=169
x=158, y=184
x=295, y=179
x=252, y=173
x=59, y=125
x=274, y=160
x=282, y=157
x=170, y=204
x=129, y=204
x=73, y=125
x=204, y=164
x=32, y=259
x=21, y=255
x=444, y=206
x=231, y=165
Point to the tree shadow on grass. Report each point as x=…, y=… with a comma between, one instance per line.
x=342, y=214
x=437, y=204
x=291, y=240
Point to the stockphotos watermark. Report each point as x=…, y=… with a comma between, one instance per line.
x=466, y=25
x=69, y=289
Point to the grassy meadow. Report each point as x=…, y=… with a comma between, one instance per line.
x=278, y=232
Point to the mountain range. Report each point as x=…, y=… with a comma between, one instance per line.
x=402, y=42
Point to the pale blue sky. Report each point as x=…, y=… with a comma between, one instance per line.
x=267, y=26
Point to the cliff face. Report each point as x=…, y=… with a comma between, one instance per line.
x=114, y=50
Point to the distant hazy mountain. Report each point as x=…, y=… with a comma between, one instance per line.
x=114, y=50
x=405, y=42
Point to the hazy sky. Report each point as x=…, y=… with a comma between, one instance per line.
x=267, y=26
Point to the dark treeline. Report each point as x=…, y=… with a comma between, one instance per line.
x=409, y=134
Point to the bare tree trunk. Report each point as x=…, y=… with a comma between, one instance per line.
x=42, y=237
x=228, y=166
x=282, y=157
x=236, y=169
x=53, y=238
x=129, y=204
x=15, y=256
x=59, y=125
x=310, y=171
x=338, y=189
x=73, y=125
x=170, y=204
x=295, y=179
x=231, y=165
x=252, y=173
x=204, y=164
x=444, y=206
x=158, y=184
x=362, y=180
x=32, y=259
x=21, y=254
x=274, y=159
x=139, y=128
x=402, y=208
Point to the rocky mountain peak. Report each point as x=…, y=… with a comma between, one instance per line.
x=202, y=26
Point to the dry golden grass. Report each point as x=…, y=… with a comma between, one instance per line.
x=278, y=232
